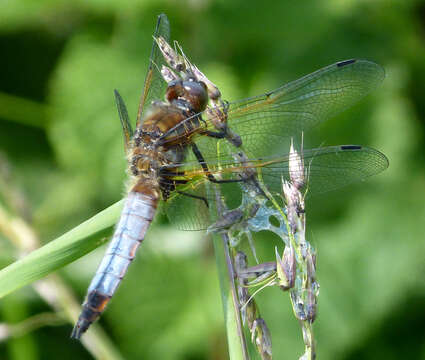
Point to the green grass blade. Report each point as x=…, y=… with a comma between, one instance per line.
x=235, y=337
x=61, y=251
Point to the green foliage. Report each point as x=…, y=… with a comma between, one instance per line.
x=68, y=161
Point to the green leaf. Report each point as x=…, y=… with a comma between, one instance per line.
x=61, y=251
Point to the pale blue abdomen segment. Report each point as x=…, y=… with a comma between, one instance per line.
x=130, y=231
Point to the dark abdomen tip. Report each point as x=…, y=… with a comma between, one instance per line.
x=80, y=327
x=92, y=308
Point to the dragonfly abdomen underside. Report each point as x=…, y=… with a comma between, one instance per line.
x=137, y=214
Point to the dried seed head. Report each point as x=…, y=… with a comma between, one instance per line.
x=170, y=56
x=296, y=168
x=286, y=268
x=185, y=65
x=262, y=338
x=168, y=74
x=241, y=261
x=292, y=197
x=298, y=305
x=251, y=312
x=311, y=305
x=291, y=193
x=311, y=267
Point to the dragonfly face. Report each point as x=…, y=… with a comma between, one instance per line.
x=191, y=92
x=193, y=138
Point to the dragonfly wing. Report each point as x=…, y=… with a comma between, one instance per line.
x=189, y=209
x=155, y=85
x=326, y=168
x=125, y=121
x=192, y=206
x=263, y=120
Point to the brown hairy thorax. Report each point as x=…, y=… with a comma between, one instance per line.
x=161, y=138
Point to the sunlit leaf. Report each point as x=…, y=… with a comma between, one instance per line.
x=59, y=252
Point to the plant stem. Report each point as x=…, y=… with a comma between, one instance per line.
x=235, y=334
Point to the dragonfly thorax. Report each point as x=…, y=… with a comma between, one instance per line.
x=146, y=160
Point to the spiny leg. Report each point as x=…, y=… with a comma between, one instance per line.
x=194, y=197
x=173, y=183
x=216, y=135
x=204, y=165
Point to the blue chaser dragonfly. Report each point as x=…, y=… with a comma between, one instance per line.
x=173, y=152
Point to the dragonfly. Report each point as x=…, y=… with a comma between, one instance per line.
x=186, y=138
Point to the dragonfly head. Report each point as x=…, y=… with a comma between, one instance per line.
x=193, y=92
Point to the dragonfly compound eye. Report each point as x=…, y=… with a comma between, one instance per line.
x=175, y=90
x=195, y=93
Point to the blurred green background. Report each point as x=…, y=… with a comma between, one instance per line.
x=61, y=161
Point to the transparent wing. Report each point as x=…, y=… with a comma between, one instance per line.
x=263, y=120
x=125, y=120
x=189, y=213
x=155, y=85
x=324, y=169
x=329, y=168
x=302, y=104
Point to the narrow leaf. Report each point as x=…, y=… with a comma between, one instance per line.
x=61, y=251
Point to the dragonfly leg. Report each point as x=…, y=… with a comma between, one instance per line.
x=204, y=165
x=214, y=134
x=194, y=197
x=171, y=184
x=163, y=172
x=226, y=133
